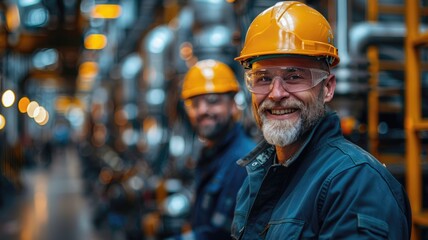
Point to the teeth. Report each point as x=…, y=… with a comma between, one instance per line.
x=282, y=111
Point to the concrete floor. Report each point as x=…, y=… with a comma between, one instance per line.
x=52, y=206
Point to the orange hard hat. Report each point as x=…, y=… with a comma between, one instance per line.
x=288, y=27
x=209, y=76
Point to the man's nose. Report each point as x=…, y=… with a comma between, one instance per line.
x=278, y=92
x=202, y=107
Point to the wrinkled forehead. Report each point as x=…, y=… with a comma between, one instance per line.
x=294, y=61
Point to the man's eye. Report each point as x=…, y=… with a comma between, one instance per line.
x=263, y=80
x=293, y=77
x=212, y=99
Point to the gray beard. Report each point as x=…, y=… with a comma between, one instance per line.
x=284, y=132
x=281, y=133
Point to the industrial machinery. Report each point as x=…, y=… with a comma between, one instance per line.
x=111, y=84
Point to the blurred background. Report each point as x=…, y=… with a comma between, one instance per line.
x=94, y=142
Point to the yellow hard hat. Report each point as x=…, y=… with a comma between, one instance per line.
x=209, y=76
x=288, y=27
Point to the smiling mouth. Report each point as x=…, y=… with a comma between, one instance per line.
x=282, y=111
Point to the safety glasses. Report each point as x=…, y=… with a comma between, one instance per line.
x=293, y=79
x=211, y=99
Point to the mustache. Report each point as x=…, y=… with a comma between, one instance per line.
x=269, y=104
x=205, y=116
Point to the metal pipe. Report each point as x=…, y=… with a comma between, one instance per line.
x=158, y=49
x=214, y=36
x=366, y=34
x=342, y=32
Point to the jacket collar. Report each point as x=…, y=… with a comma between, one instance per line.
x=264, y=153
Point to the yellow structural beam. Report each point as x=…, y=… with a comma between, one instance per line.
x=413, y=121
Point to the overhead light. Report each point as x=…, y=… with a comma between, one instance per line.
x=88, y=70
x=8, y=98
x=23, y=104
x=26, y=3
x=40, y=114
x=45, y=120
x=2, y=122
x=107, y=11
x=95, y=41
x=36, y=17
x=46, y=59
x=12, y=18
x=31, y=108
x=131, y=66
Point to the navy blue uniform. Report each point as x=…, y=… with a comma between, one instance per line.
x=218, y=178
x=330, y=189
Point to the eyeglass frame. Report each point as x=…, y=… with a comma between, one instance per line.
x=314, y=83
x=193, y=102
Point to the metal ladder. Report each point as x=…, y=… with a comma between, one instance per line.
x=414, y=122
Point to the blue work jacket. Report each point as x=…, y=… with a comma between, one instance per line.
x=218, y=179
x=330, y=189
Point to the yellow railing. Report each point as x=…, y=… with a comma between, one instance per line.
x=414, y=123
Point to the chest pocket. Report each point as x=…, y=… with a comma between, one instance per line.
x=289, y=229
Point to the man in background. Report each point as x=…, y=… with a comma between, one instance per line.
x=208, y=93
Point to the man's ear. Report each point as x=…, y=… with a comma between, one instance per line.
x=329, y=87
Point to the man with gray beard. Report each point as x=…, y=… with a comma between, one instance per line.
x=282, y=133
x=306, y=181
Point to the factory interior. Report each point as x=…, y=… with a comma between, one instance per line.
x=94, y=140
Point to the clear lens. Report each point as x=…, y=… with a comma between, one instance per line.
x=293, y=79
x=210, y=99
